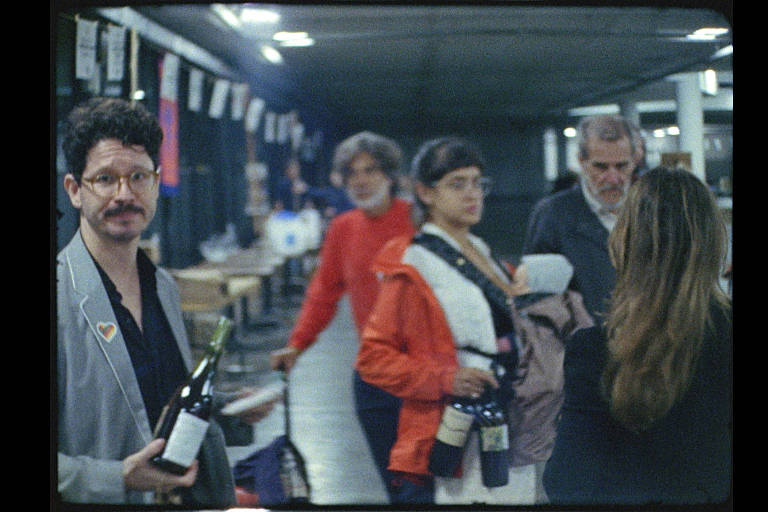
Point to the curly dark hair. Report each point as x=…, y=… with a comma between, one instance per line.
x=108, y=118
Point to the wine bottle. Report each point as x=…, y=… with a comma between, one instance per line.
x=494, y=441
x=452, y=434
x=184, y=420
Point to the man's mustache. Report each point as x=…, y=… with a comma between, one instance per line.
x=117, y=210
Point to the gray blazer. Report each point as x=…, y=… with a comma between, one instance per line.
x=101, y=414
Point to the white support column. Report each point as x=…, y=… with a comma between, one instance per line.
x=551, y=170
x=690, y=120
x=630, y=112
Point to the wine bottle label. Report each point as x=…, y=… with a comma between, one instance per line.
x=454, y=427
x=494, y=439
x=185, y=439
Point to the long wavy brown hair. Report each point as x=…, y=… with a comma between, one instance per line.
x=668, y=247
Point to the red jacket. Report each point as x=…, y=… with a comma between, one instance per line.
x=408, y=350
x=351, y=243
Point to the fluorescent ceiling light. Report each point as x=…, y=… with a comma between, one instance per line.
x=707, y=33
x=229, y=17
x=594, y=110
x=289, y=36
x=271, y=54
x=252, y=15
x=293, y=39
x=299, y=42
x=723, y=52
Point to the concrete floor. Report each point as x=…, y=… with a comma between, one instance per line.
x=323, y=421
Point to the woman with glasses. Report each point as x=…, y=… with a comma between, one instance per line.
x=440, y=329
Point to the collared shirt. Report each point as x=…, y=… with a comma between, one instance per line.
x=156, y=358
x=606, y=216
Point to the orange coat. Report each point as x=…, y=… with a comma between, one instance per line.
x=408, y=350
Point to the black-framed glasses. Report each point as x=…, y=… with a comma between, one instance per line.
x=107, y=184
x=481, y=183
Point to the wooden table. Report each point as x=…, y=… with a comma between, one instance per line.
x=216, y=286
x=211, y=286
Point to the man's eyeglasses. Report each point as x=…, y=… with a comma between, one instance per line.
x=483, y=184
x=107, y=185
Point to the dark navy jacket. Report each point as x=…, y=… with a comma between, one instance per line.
x=564, y=224
x=684, y=458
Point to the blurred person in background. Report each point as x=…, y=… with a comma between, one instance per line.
x=576, y=222
x=291, y=190
x=369, y=164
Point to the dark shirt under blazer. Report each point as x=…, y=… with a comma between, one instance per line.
x=102, y=417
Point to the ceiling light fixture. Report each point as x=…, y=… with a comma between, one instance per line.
x=293, y=39
x=252, y=15
x=299, y=42
x=723, y=52
x=707, y=34
x=271, y=54
x=289, y=36
x=226, y=14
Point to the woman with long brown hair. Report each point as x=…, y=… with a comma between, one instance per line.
x=647, y=411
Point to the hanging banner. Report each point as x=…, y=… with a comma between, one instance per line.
x=219, y=98
x=253, y=116
x=169, y=121
x=239, y=95
x=195, y=99
x=85, y=56
x=283, y=128
x=270, y=120
x=115, y=53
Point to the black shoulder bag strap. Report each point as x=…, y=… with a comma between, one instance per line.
x=497, y=299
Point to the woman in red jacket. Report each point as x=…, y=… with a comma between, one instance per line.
x=436, y=328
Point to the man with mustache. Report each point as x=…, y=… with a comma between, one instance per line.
x=122, y=348
x=576, y=222
x=369, y=164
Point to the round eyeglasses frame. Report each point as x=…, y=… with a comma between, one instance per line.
x=483, y=184
x=107, y=185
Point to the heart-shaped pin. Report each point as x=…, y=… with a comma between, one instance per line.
x=107, y=330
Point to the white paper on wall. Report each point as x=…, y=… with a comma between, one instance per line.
x=169, y=83
x=297, y=135
x=270, y=128
x=195, y=98
x=253, y=116
x=219, y=98
x=239, y=95
x=115, y=53
x=85, y=53
x=283, y=128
